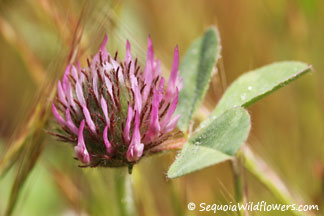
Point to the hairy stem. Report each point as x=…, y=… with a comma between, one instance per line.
x=124, y=193
x=257, y=167
x=238, y=182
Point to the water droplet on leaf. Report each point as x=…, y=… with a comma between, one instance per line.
x=243, y=97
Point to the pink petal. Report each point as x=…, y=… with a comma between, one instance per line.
x=93, y=69
x=79, y=93
x=106, y=141
x=69, y=122
x=154, y=129
x=115, y=64
x=174, y=75
x=172, y=124
x=136, y=148
x=148, y=71
x=161, y=88
x=95, y=63
x=135, y=152
x=88, y=119
x=150, y=52
x=61, y=93
x=104, y=108
x=109, y=88
x=132, y=68
x=128, y=123
x=81, y=76
x=128, y=57
x=137, y=92
x=69, y=96
x=93, y=66
x=138, y=99
x=74, y=73
x=171, y=110
x=57, y=116
x=107, y=67
x=104, y=43
x=80, y=149
x=66, y=76
x=157, y=68
x=95, y=84
x=108, y=85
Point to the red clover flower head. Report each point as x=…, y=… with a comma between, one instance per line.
x=113, y=111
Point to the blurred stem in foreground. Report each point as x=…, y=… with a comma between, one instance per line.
x=124, y=193
x=259, y=169
x=33, y=146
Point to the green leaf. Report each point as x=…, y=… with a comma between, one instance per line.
x=215, y=143
x=196, y=70
x=254, y=85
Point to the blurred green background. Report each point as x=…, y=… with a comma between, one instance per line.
x=287, y=127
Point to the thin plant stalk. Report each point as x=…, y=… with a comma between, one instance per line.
x=238, y=183
x=259, y=169
x=124, y=193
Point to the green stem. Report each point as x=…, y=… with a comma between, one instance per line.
x=268, y=178
x=238, y=183
x=124, y=193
